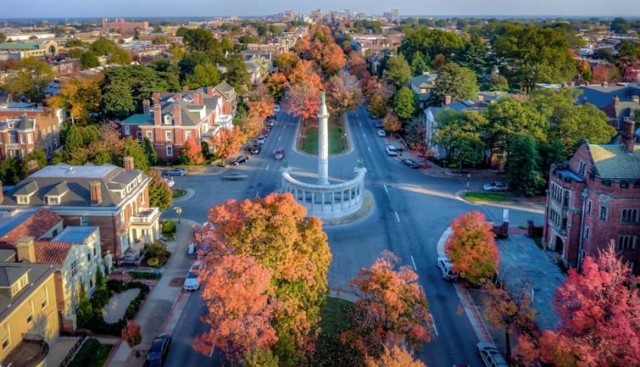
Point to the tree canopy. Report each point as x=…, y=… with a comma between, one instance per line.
x=456, y=82
x=30, y=79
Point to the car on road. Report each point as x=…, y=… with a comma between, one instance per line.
x=446, y=268
x=191, y=282
x=391, y=150
x=234, y=177
x=169, y=181
x=378, y=124
x=412, y=163
x=278, y=154
x=175, y=172
x=491, y=355
x=238, y=160
x=496, y=186
x=276, y=108
x=381, y=133
x=158, y=351
x=253, y=149
x=262, y=139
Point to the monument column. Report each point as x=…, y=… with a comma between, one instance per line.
x=323, y=143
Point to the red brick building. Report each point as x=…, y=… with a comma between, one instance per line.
x=176, y=117
x=594, y=199
x=29, y=127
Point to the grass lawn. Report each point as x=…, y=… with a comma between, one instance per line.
x=92, y=354
x=178, y=193
x=308, y=142
x=483, y=197
x=330, y=350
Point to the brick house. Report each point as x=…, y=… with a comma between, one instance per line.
x=25, y=127
x=112, y=198
x=175, y=118
x=593, y=199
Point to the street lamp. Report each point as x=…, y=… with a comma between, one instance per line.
x=468, y=177
x=178, y=211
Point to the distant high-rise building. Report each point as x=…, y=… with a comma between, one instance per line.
x=316, y=15
x=395, y=15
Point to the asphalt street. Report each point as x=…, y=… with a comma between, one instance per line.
x=411, y=211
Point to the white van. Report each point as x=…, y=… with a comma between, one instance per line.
x=446, y=268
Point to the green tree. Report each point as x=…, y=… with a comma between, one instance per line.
x=203, y=75
x=30, y=79
x=474, y=56
x=237, y=74
x=405, y=103
x=74, y=42
x=3, y=37
x=133, y=149
x=160, y=194
x=149, y=151
x=523, y=170
x=551, y=152
x=198, y=39
x=456, y=82
x=89, y=60
x=498, y=83
x=37, y=155
x=420, y=64
x=398, y=71
x=620, y=26
x=431, y=43
x=84, y=309
x=460, y=134
x=11, y=170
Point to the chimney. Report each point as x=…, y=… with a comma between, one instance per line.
x=185, y=88
x=156, y=98
x=628, y=134
x=177, y=115
x=95, y=192
x=146, y=106
x=157, y=114
x=1, y=192
x=209, y=90
x=198, y=99
x=616, y=101
x=636, y=99
x=32, y=166
x=128, y=163
x=26, y=251
x=447, y=100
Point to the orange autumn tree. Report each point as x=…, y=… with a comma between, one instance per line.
x=287, y=62
x=599, y=309
x=191, y=152
x=392, y=308
x=275, y=231
x=343, y=93
x=391, y=122
x=472, y=247
x=332, y=59
x=303, y=100
x=304, y=72
x=260, y=103
x=240, y=307
x=394, y=356
x=226, y=142
x=276, y=84
x=132, y=333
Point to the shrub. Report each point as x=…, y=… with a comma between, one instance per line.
x=169, y=227
x=132, y=334
x=145, y=275
x=156, y=254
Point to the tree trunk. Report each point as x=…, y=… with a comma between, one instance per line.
x=507, y=336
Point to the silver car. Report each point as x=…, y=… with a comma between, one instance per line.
x=391, y=150
x=496, y=186
x=491, y=355
x=446, y=269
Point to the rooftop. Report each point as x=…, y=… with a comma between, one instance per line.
x=75, y=234
x=26, y=222
x=66, y=171
x=38, y=273
x=613, y=162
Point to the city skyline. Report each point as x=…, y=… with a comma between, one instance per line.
x=200, y=8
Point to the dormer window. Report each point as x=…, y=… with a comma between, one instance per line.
x=53, y=200
x=168, y=119
x=23, y=199
x=19, y=284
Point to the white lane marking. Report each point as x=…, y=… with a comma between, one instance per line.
x=257, y=194
x=397, y=217
x=414, y=263
x=368, y=147
x=364, y=136
x=267, y=167
x=385, y=189
x=279, y=138
x=434, y=327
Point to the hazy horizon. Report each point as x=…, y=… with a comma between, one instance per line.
x=47, y=9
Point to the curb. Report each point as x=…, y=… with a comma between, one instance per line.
x=174, y=314
x=513, y=205
x=470, y=309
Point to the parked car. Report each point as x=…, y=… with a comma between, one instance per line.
x=169, y=180
x=378, y=124
x=191, y=282
x=261, y=139
x=159, y=350
x=491, y=356
x=391, y=150
x=253, y=149
x=446, y=268
x=411, y=163
x=381, y=133
x=175, y=172
x=276, y=108
x=496, y=186
x=197, y=267
x=238, y=160
x=278, y=154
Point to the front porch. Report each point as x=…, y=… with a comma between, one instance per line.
x=144, y=227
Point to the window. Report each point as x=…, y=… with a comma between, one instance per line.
x=95, y=251
x=168, y=135
x=168, y=120
x=139, y=135
x=84, y=221
x=187, y=135
x=53, y=200
x=169, y=151
x=586, y=233
x=30, y=138
x=603, y=213
x=626, y=243
x=29, y=312
x=629, y=216
x=4, y=336
x=589, y=207
x=45, y=298
x=89, y=257
x=74, y=268
x=23, y=199
x=127, y=130
x=581, y=168
x=150, y=135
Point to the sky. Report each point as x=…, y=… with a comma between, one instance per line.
x=179, y=8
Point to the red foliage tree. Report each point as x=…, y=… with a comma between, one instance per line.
x=343, y=93
x=394, y=356
x=599, y=310
x=226, y=142
x=358, y=66
x=303, y=100
x=392, y=308
x=605, y=73
x=260, y=103
x=132, y=333
x=304, y=72
x=240, y=306
x=332, y=59
x=472, y=247
x=391, y=123
x=191, y=152
x=276, y=84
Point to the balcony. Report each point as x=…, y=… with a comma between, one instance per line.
x=13, y=146
x=31, y=351
x=224, y=120
x=146, y=216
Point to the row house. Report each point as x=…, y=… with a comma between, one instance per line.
x=594, y=199
x=114, y=199
x=175, y=118
x=26, y=127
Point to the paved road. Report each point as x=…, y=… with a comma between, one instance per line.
x=411, y=212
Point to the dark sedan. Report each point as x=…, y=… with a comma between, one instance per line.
x=159, y=350
x=412, y=163
x=239, y=160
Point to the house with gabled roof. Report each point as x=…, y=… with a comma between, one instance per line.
x=25, y=127
x=112, y=198
x=175, y=118
x=594, y=199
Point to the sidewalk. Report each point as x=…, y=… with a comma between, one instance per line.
x=161, y=302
